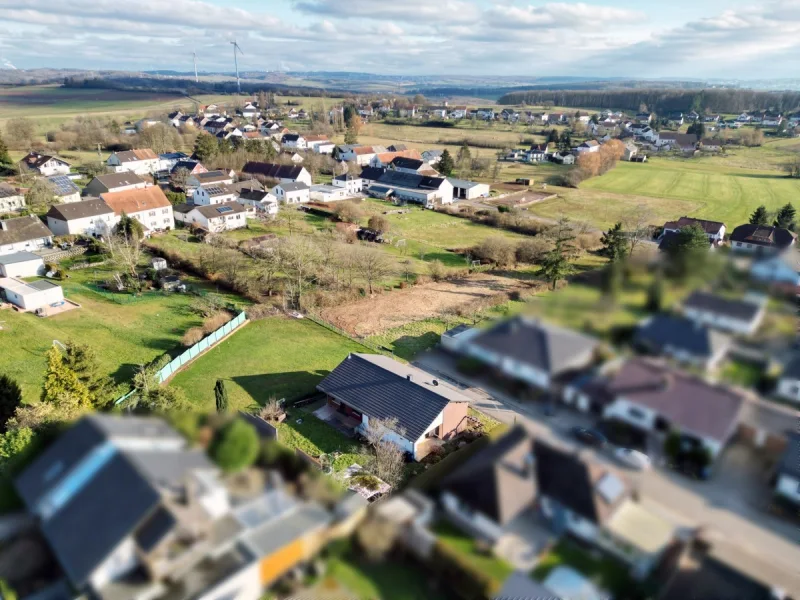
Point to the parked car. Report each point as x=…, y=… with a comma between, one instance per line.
x=590, y=437
x=632, y=458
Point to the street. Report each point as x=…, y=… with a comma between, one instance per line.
x=725, y=506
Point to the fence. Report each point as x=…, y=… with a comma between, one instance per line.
x=200, y=347
x=364, y=342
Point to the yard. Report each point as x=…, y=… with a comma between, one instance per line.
x=124, y=335
x=602, y=570
x=279, y=357
x=456, y=541
x=348, y=578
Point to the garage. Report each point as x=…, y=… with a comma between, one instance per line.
x=21, y=264
x=468, y=190
x=31, y=296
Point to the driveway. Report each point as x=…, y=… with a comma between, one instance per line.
x=730, y=505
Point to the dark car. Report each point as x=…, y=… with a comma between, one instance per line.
x=591, y=437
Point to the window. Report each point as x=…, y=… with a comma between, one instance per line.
x=164, y=211
x=636, y=413
x=152, y=213
x=166, y=220
x=739, y=244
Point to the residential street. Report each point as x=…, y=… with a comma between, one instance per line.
x=730, y=506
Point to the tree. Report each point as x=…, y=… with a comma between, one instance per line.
x=125, y=247
x=786, y=217
x=446, y=164
x=271, y=411
x=532, y=250
x=688, y=250
x=565, y=141
x=555, y=265
x=615, y=244
x=180, y=178
x=61, y=384
x=10, y=399
x=552, y=136
x=637, y=225
x=83, y=361
x=235, y=446
x=463, y=156
x=496, y=249
x=388, y=455
x=221, y=396
x=5, y=157
x=379, y=223
x=128, y=226
x=205, y=147
x=160, y=138
x=373, y=265
x=351, y=136
x=41, y=194
x=17, y=447
x=655, y=294
x=760, y=216
x=349, y=212
x=149, y=394
x=698, y=129
x=20, y=132
x=299, y=256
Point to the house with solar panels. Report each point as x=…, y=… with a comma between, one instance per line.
x=65, y=189
x=214, y=218
x=214, y=193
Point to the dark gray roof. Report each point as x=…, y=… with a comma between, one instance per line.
x=247, y=185
x=401, y=162
x=499, y=480
x=254, y=195
x=79, y=210
x=381, y=388
x=348, y=177
x=790, y=463
x=685, y=401
x=272, y=170
x=18, y=257
x=410, y=180
x=23, y=229
x=564, y=477
x=278, y=533
x=154, y=528
x=189, y=165
x=6, y=191
x=521, y=586
x=663, y=332
x=42, y=285
x=290, y=137
x=117, y=180
x=293, y=186
x=63, y=186
x=763, y=235
x=458, y=329
x=532, y=342
x=215, y=211
x=792, y=368
x=372, y=173
x=734, y=309
x=211, y=177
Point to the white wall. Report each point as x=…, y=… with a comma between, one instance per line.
x=789, y=487
x=158, y=218
x=29, y=268
x=245, y=584
x=12, y=203
x=121, y=561
x=789, y=389
x=29, y=245
x=86, y=226
x=724, y=322
x=476, y=520
x=527, y=373
x=391, y=436
x=53, y=167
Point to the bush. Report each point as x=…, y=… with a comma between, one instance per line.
x=436, y=269
x=533, y=250
x=379, y=223
x=497, y=250
x=215, y=321
x=192, y=336
x=235, y=446
x=348, y=212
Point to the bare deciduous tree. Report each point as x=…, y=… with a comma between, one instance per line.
x=388, y=455
x=376, y=537
x=298, y=256
x=271, y=411
x=126, y=251
x=637, y=226
x=373, y=265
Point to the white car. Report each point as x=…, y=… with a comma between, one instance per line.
x=632, y=458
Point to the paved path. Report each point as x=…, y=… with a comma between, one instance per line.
x=752, y=539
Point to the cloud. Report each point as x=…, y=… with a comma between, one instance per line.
x=412, y=11
x=560, y=15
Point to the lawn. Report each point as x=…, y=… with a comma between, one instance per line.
x=744, y=374
x=285, y=358
x=123, y=335
x=604, y=571
x=457, y=541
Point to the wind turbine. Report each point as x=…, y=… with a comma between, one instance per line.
x=194, y=55
x=236, y=62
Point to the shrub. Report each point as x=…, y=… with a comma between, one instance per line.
x=436, y=269
x=533, y=250
x=497, y=250
x=192, y=336
x=379, y=223
x=235, y=446
x=348, y=212
x=215, y=321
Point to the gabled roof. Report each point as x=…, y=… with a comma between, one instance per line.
x=255, y=195
x=401, y=162
x=662, y=333
x=291, y=137
x=381, y=387
x=117, y=180
x=216, y=211
x=79, y=210
x=763, y=235
x=499, y=481
x=34, y=160
x=136, y=155
x=273, y=170
x=409, y=180
x=587, y=489
x=6, y=191
x=133, y=201
x=292, y=186
x=212, y=177
x=709, y=227
x=372, y=173
x=535, y=343
x=63, y=186
x=681, y=139
x=685, y=401
x=22, y=229
x=217, y=189
x=189, y=165
x=362, y=150
x=735, y=309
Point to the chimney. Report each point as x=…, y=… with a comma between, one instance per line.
x=3, y=226
x=409, y=377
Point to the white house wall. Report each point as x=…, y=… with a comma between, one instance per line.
x=789, y=487
x=29, y=245
x=789, y=389
x=245, y=584
x=121, y=561
x=29, y=268
x=85, y=226
x=724, y=322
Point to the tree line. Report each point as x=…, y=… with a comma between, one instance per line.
x=661, y=100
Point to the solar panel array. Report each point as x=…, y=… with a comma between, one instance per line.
x=224, y=209
x=63, y=185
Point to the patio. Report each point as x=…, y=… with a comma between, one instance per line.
x=340, y=422
x=524, y=541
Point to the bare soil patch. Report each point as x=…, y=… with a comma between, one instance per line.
x=522, y=199
x=372, y=316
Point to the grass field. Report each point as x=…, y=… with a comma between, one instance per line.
x=271, y=357
x=123, y=335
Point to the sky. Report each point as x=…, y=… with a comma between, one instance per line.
x=591, y=38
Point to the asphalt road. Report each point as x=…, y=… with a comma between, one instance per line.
x=749, y=537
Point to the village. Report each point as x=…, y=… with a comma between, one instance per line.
x=365, y=370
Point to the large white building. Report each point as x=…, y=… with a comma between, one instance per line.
x=141, y=161
x=149, y=206
x=214, y=193
x=407, y=187
x=351, y=183
x=91, y=217
x=213, y=218
x=31, y=296
x=292, y=193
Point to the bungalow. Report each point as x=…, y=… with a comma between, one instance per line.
x=141, y=161
x=259, y=201
x=787, y=484
x=313, y=141
x=657, y=399
x=21, y=264
x=371, y=386
x=683, y=340
x=686, y=142
x=714, y=230
x=351, y=183
x=407, y=187
x=761, y=239
x=116, y=182
x=11, y=200
x=468, y=190
x=149, y=206
x=295, y=192
x=24, y=234
x=91, y=217
x=282, y=173
x=64, y=189
x=214, y=193
x=432, y=156
x=789, y=382
x=168, y=160
x=781, y=271
x=735, y=316
x=362, y=155
x=44, y=164
x=294, y=141
x=531, y=351
x=213, y=218
x=31, y=296
x=327, y=193
x=588, y=146
x=710, y=145
x=324, y=147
